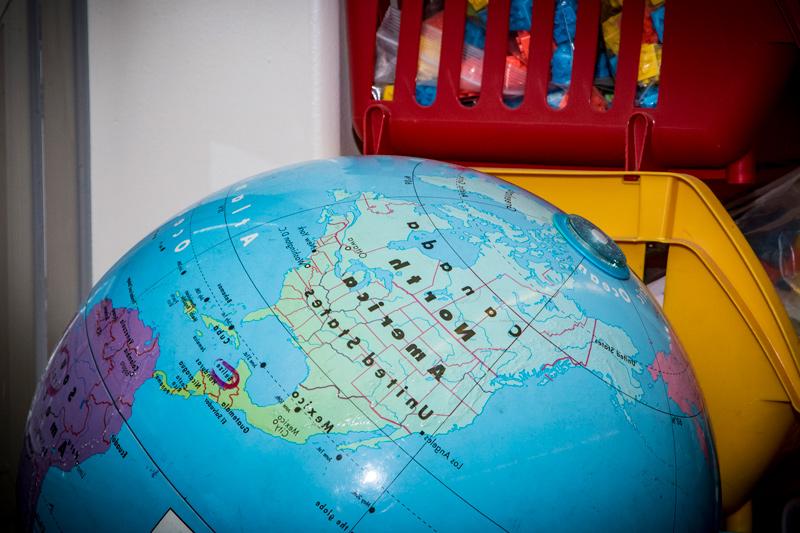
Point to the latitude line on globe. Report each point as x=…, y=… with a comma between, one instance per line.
x=379, y=428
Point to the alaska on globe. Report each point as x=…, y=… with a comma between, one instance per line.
x=370, y=344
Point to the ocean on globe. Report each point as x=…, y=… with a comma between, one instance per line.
x=370, y=344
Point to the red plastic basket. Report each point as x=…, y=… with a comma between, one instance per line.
x=724, y=65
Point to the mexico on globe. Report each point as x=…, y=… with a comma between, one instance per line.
x=370, y=344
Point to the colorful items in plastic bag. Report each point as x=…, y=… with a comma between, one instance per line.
x=471, y=70
x=518, y=54
x=602, y=70
x=523, y=39
x=649, y=72
x=474, y=35
x=430, y=44
x=514, y=78
x=565, y=21
x=605, y=70
x=648, y=96
x=473, y=52
x=649, y=34
x=425, y=94
x=519, y=18
x=477, y=5
x=597, y=100
x=561, y=65
x=612, y=67
x=649, y=62
x=516, y=60
x=650, y=57
x=657, y=19
x=557, y=98
x=611, y=33
x=564, y=27
x=430, y=49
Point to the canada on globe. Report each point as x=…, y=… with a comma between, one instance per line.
x=370, y=344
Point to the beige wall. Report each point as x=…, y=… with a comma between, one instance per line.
x=188, y=96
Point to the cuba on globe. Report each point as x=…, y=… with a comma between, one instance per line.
x=370, y=344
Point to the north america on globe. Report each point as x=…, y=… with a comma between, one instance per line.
x=373, y=329
x=357, y=344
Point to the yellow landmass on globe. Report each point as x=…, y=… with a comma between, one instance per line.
x=189, y=307
x=163, y=382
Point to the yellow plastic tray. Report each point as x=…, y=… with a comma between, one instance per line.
x=717, y=297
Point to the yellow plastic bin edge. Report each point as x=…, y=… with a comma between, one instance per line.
x=778, y=348
x=791, y=380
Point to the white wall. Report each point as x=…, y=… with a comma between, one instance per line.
x=188, y=96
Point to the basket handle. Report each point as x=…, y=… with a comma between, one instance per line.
x=638, y=136
x=375, y=122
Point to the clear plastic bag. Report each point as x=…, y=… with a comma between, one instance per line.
x=430, y=50
x=770, y=220
x=386, y=40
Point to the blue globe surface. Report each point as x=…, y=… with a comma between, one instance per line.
x=369, y=344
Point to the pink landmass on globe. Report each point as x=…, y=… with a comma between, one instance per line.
x=681, y=386
x=72, y=416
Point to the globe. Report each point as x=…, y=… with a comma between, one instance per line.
x=370, y=344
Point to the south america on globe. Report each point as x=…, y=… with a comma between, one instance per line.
x=369, y=344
